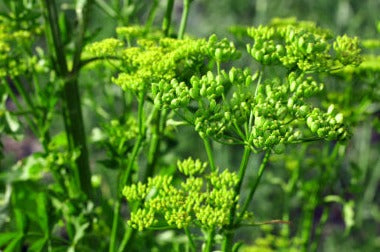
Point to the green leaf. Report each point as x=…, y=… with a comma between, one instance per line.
x=30, y=168
x=42, y=212
x=12, y=121
x=333, y=198
x=349, y=215
x=59, y=140
x=39, y=244
x=6, y=237
x=16, y=242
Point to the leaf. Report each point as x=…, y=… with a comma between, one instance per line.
x=14, y=243
x=6, y=237
x=20, y=220
x=42, y=212
x=30, y=168
x=80, y=231
x=237, y=246
x=349, y=215
x=333, y=198
x=39, y=244
x=12, y=121
x=59, y=140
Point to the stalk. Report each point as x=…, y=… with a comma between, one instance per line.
x=129, y=235
x=229, y=235
x=25, y=95
x=248, y=200
x=210, y=240
x=315, y=198
x=152, y=15
x=124, y=175
x=288, y=192
x=158, y=117
x=168, y=17
x=74, y=125
x=319, y=229
x=185, y=15
x=157, y=128
x=191, y=241
x=209, y=153
x=307, y=225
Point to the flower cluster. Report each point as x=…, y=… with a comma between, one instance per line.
x=303, y=47
x=200, y=201
x=129, y=32
x=235, y=105
x=190, y=167
x=13, y=62
x=105, y=48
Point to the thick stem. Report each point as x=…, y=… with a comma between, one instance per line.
x=209, y=153
x=77, y=134
x=74, y=122
x=229, y=233
x=248, y=200
x=185, y=15
x=55, y=40
x=168, y=17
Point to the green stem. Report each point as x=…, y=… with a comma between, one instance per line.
x=210, y=240
x=248, y=200
x=78, y=135
x=307, y=224
x=128, y=237
x=83, y=15
x=289, y=189
x=185, y=15
x=152, y=15
x=238, y=131
x=116, y=218
x=123, y=181
x=125, y=174
x=209, y=153
x=229, y=234
x=157, y=116
x=54, y=39
x=190, y=238
x=315, y=198
x=319, y=229
x=74, y=120
x=24, y=94
x=168, y=17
